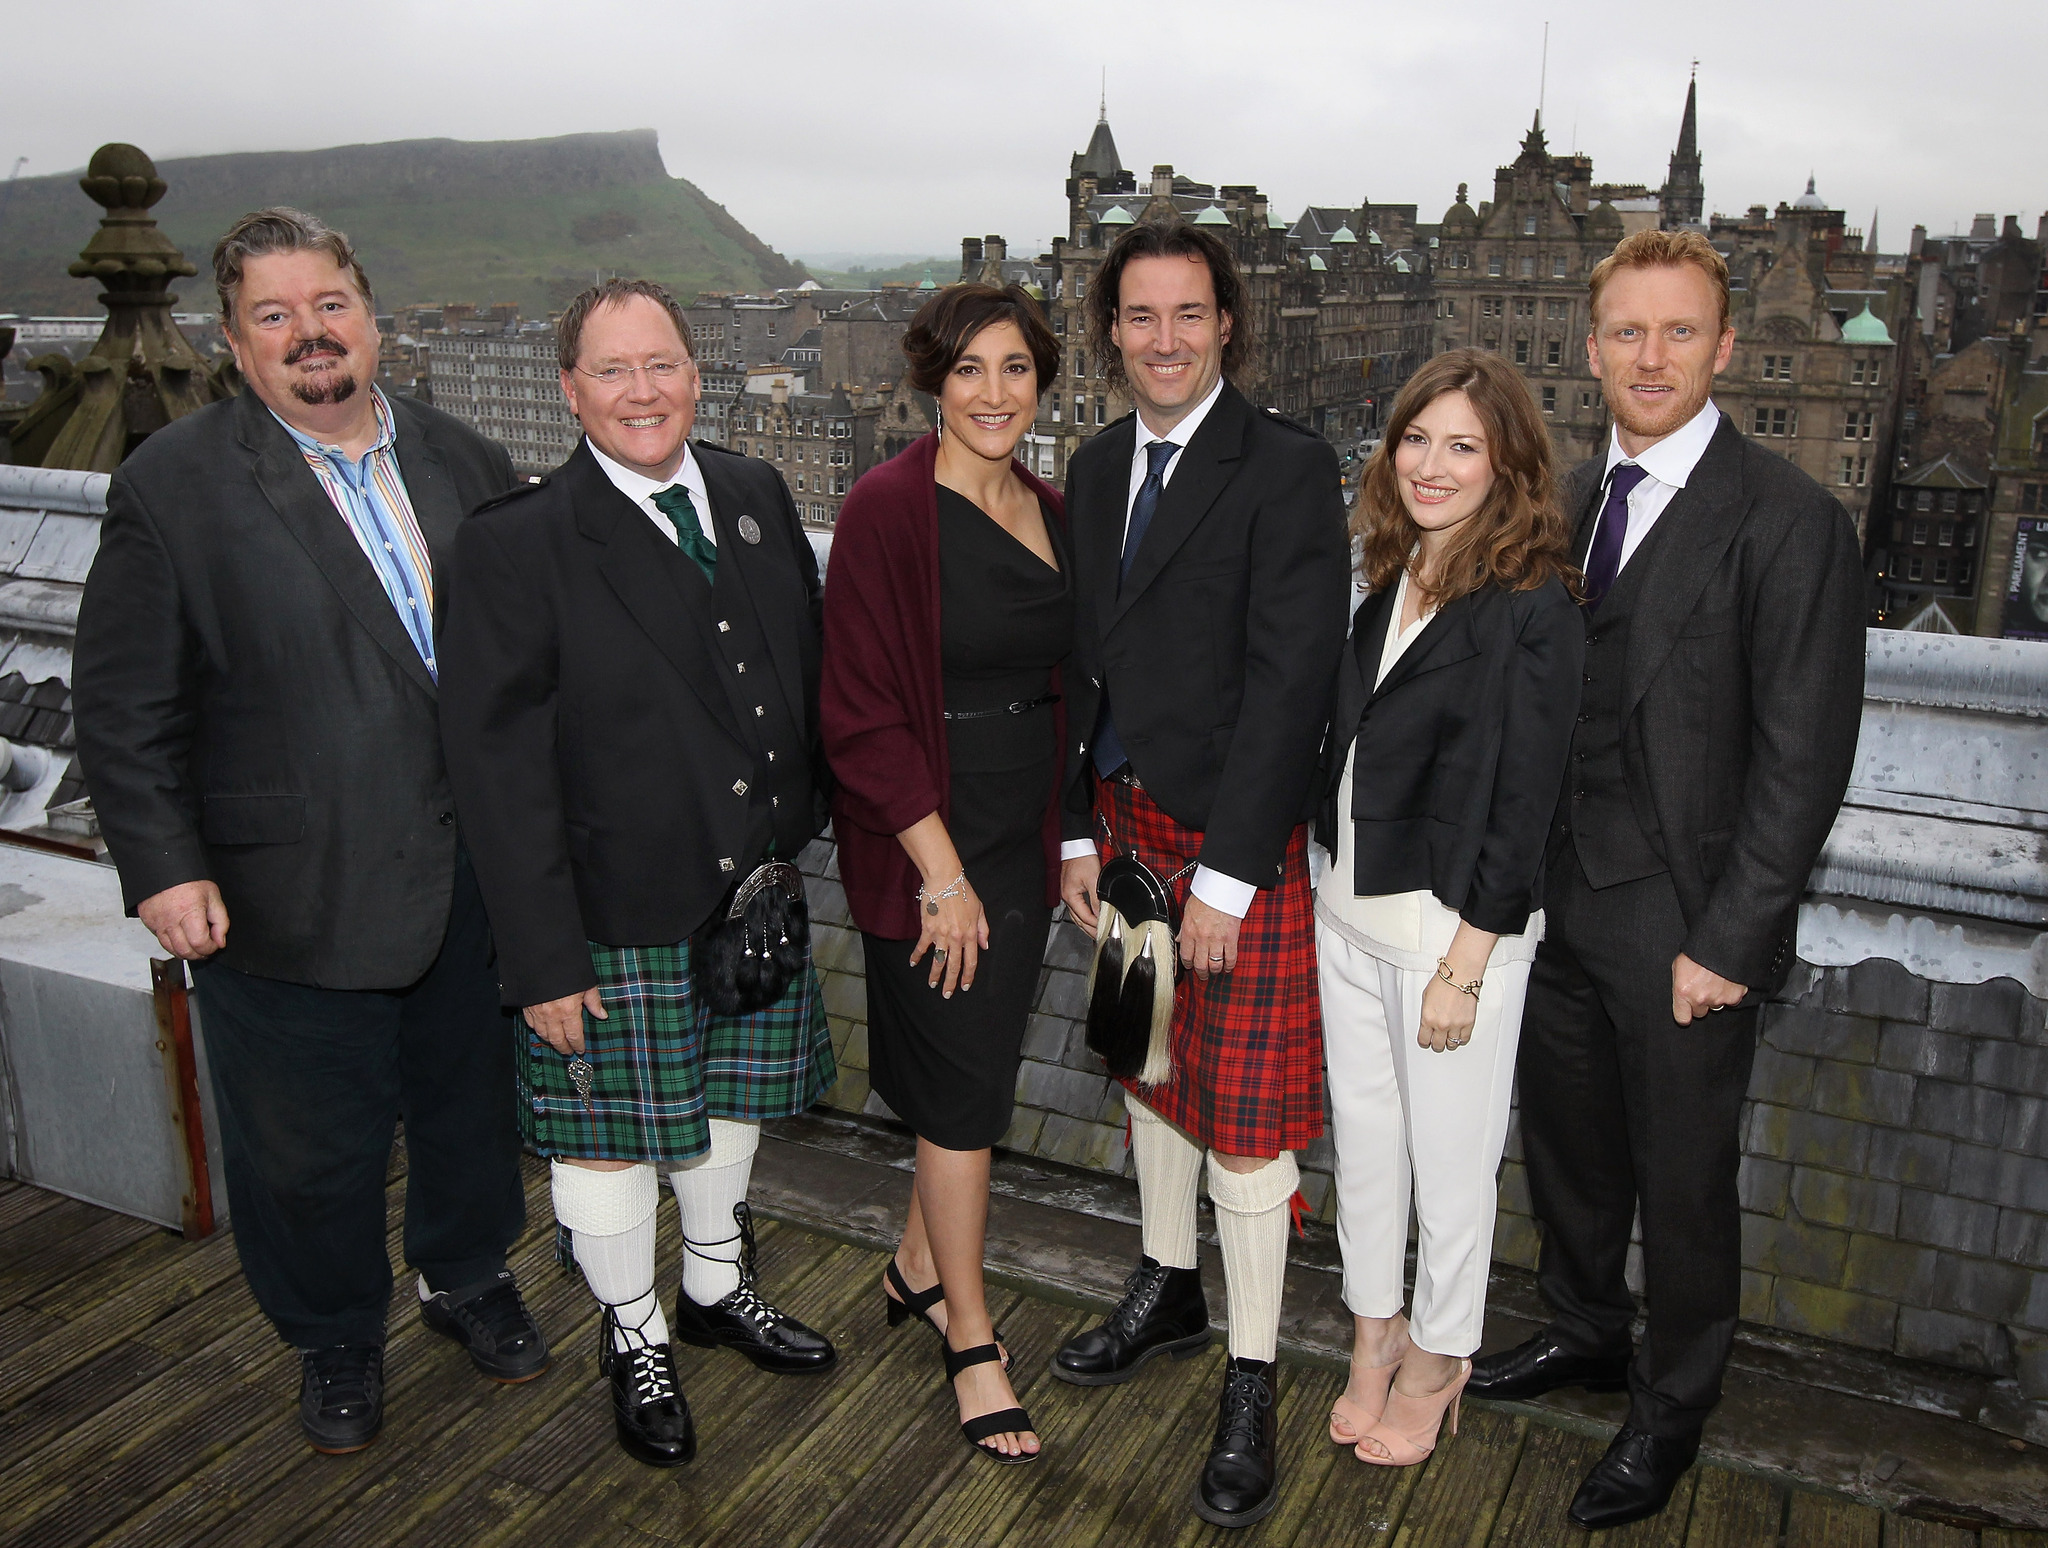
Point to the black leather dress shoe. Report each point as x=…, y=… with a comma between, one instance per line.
x=341, y=1396
x=653, y=1421
x=1239, y=1482
x=1163, y=1311
x=748, y=1325
x=1541, y=1364
x=493, y=1324
x=1634, y=1479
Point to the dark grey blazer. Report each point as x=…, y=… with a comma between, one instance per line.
x=250, y=708
x=1742, y=694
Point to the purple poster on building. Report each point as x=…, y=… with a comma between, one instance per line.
x=2026, y=594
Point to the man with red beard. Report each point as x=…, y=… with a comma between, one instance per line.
x=257, y=692
x=1722, y=695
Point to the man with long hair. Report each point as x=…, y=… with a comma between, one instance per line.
x=1210, y=572
x=1723, y=691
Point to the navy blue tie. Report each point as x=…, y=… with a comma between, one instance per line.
x=1109, y=747
x=1603, y=563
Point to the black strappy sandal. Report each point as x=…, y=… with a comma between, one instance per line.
x=1003, y=1420
x=908, y=1303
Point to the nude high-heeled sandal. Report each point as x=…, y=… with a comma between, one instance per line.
x=1349, y=1418
x=1408, y=1430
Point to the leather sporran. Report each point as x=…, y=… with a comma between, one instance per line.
x=1130, y=980
x=747, y=957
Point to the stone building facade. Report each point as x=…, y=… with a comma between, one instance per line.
x=506, y=384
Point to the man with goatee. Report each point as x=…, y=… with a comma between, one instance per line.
x=1717, y=727
x=256, y=692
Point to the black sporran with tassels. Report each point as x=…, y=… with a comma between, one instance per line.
x=746, y=958
x=1130, y=981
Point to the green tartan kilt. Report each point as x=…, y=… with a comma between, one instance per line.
x=662, y=1065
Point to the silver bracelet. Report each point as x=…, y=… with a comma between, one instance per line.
x=957, y=887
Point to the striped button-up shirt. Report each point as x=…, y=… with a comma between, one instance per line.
x=369, y=492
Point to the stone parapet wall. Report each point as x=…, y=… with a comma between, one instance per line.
x=1895, y=1169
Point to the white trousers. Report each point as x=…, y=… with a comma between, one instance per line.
x=1411, y=1122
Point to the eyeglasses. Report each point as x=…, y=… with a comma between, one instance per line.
x=658, y=371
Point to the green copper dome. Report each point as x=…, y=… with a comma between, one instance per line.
x=1212, y=216
x=1866, y=327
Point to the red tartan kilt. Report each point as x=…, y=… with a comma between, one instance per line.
x=1248, y=1044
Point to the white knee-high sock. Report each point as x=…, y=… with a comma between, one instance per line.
x=1251, y=1225
x=706, y=1191
x=1169, y=1164
x=610, y=1216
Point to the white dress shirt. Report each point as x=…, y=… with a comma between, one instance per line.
x=1669, y=464
x=641, y=490
x=1225, y=894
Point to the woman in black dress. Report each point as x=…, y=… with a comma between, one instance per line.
x=948, y=609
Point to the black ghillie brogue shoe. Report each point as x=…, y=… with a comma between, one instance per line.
x=746, y=1324
x=647, y=1404
x=1163, y=1312
x=1240, y=1481
x=493, y=1324
x=341, y=1396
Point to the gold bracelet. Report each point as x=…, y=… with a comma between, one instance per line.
x=1443, y=971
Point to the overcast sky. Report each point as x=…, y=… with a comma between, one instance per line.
x=833, y=125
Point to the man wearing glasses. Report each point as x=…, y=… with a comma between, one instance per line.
x=630, y=692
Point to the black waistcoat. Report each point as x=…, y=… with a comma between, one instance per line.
x=1594, y=815
x=778, y=793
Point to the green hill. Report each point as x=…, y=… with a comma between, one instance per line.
x=525, y=221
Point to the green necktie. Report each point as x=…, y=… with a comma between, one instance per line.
x=674, y=502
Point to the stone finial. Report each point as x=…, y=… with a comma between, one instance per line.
x=129, y=245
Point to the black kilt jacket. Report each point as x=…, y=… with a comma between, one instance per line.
x=606, y=786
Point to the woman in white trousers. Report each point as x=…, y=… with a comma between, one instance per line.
x=1455, y=706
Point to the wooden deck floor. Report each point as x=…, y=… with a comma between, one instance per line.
x=144, y=1401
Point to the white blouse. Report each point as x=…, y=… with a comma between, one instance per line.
x=1409, y=930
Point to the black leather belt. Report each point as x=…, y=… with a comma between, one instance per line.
x=1020, y=707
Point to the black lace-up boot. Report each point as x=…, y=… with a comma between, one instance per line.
x=1239, y=1483
x=745, y=1323
x=647, y=1404
x=1163, y=1312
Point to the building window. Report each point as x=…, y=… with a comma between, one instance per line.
x=1100, y=405
x=1521, y=351
x=1916, y=568
x=1777, y=368
x=1557, y=267
x=1553, y=352
x=1080, y=411
x=1856, y=427
x=1948, y=500
x=1528, y=225
x=1855, y=472
x=1528, y=268
x=1493, y=267
x=1864, y=373
x=1586, y=399
x=1053, y=404
x=1557, y=311
x=1525, y=306
x=1919, y=531
x=1963, y=571
x=1941, y=571
x=1491, y=306
x=1550, y=400
x=1969, y=535
x=1947, y=535
x=1448, y=307
x=1774, y=421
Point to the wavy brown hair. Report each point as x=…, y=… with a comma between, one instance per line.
x=1519, y=538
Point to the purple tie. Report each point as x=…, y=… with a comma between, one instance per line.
x=1603, y=563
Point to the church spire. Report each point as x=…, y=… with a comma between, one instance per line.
x=1684, y=199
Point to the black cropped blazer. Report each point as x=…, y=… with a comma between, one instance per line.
x=1460, y=752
